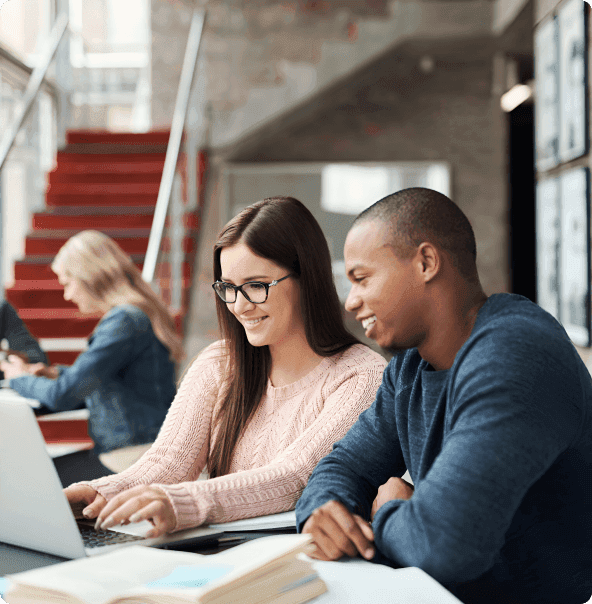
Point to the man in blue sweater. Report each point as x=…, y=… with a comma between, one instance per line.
x=486, y=403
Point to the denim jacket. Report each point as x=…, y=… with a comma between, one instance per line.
x=125, y=378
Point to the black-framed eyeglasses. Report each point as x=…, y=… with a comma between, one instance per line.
x=255, y=292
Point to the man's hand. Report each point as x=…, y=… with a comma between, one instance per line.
x=143, y=502
x=337, y=532
x=393, y=488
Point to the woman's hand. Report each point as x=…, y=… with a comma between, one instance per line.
x=393, y=488
x=143, y=502
x=43, y=370
x=14, y=367
x=83, y=495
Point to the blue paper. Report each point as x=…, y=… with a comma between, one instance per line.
x=3, y=586
x=190, y=576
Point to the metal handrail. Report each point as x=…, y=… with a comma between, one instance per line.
x=8, y=56
x=174, y=145
x=34, y=84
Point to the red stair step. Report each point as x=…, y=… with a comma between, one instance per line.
x=28, y=270
x=67, y=199
x=54, y=323
x=37, y=294
x=83, y=189
x=150, y=176
x=68, y=161
x=56, y=430
x=130, y=218
x=39, y=269
x=62, y=357
x=132, y=241
x=159, y=137
x=81, y=222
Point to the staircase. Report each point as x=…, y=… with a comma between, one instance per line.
x=103, y=181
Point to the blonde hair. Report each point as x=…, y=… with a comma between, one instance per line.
x=111, y=278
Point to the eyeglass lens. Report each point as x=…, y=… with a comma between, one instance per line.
x=255, y=292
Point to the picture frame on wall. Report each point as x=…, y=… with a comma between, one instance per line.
x=573, y=139
x=548, y=245
x=546, y=58
x=574, y=265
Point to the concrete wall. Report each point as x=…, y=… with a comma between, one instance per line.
x=451, y=117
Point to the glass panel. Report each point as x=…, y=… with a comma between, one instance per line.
x=351, y=188
x=111, y=64
x=23, y=25
x=23, y=178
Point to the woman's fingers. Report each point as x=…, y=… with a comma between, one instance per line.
x=114, y=514
x=155, y=512
x=137, y=504
x=84, y=500
x=94, y=509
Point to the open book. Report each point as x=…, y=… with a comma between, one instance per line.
x=260, y=571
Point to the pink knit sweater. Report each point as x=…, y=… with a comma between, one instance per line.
x=292, y=429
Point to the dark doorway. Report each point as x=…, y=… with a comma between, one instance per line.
x=521, y=188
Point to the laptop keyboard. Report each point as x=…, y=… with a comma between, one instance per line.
x=93, y=538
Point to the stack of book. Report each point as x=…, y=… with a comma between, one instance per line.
x=270, y=569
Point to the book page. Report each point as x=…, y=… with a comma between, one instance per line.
x=138, y=572
x=100, y=579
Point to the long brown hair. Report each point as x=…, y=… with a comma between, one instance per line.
x=284, y=231
x=109, y=275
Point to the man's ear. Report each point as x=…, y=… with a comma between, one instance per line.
x=429, y=261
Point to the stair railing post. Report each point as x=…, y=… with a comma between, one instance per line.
x=1, y=236
x=172, y=153
x=64, y=79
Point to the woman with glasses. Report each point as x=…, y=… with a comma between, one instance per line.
x=262, y=406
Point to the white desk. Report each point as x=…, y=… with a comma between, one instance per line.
x=357, y=581
x=9, y=395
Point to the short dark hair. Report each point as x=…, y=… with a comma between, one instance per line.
x=418, y=215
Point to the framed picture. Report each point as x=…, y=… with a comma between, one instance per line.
x=546, y=58
x=574, y=266
x=548, y=240
x=573, y=139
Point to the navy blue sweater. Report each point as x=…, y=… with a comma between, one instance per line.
x=499, y=447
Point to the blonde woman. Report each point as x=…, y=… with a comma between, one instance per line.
x=126, y=377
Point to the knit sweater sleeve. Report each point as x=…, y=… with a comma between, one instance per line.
x=181, y=448
x=276, y=486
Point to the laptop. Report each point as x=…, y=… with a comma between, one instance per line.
x=35, y=513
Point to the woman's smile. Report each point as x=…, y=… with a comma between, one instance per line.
x=253, y=322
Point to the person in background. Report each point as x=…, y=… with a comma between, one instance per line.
x=20, y=341
x=486, y=403
x=262, y=406
x=126, y=377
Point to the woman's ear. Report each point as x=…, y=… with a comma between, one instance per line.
x=430, y=261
